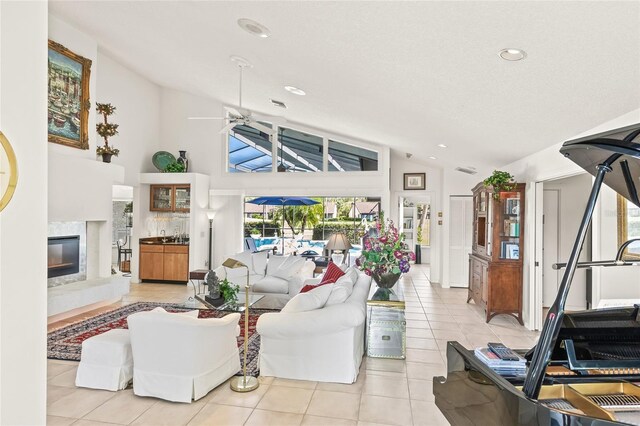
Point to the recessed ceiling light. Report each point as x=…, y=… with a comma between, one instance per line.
x=512, y=54
x=254, y=28
x=441, y=145
x=295, y=90
x=432, y=158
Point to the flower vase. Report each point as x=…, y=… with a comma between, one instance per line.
x=106, y=157
x=183, y=160
x=386, y=280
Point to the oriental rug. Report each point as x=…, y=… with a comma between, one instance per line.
x=66, y=343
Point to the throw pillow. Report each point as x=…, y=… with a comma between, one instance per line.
x=289, y=267
x=193, y=314
x=332, y=274
x=342, y=289
x=260, y=262
x=310, y=287
x=274, y=263
x=309, y=301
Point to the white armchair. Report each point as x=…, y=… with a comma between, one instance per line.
x=178, y=357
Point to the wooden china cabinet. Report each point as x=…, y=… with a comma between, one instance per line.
x=495, y=262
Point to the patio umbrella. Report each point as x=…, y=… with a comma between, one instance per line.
x=283, y=201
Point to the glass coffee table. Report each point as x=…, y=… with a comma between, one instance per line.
x=237, y=306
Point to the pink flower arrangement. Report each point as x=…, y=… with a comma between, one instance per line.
x=386, y=253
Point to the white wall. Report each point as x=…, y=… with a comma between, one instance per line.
x=80, y=185
x=433, y=190
x=137, y=102
x=23, y=224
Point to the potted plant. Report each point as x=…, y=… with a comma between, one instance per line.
x=500, y=181
x=106, y=130
x=386, y=256
x=254, y=233
x=174, y=167
x=229, y=291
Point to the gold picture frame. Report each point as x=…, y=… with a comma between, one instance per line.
x=8, y=171
x=68, y=97
x=623, y=227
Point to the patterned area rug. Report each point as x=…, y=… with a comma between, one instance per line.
x=66, y=342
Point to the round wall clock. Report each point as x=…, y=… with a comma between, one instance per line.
x=8, y=171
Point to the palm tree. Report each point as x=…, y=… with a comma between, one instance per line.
x=299, y=216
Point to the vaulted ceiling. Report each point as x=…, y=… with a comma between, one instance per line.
x=410, y=75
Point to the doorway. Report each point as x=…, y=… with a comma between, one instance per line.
x=122, y=223
x=460, y=239
x=564, y=201
x=416, y=225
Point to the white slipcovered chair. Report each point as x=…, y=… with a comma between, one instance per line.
x=178, y=357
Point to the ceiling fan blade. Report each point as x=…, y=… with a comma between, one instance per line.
x=228, y=127
x=262, y=128
x=233, y=111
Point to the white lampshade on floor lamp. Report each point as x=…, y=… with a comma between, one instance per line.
x=244, y=383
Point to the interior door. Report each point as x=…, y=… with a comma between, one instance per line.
x=550, y=244
x=460, y=239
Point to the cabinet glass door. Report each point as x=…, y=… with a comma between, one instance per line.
x=161, y=198
x=183, y=198
x=509, y=222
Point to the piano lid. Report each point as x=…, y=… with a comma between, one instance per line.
x=621, y=154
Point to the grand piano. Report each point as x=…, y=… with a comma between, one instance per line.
x=585, y=368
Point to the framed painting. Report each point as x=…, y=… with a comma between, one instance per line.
x=414, y=181
x=68, y=97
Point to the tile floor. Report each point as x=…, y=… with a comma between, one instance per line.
x=387, y=392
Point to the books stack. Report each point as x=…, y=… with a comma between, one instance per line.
x=500, y=366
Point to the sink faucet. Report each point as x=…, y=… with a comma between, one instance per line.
x=163, y=233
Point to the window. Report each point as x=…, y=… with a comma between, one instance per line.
x=349, y=158
x=249, y=150
x=298, y=151
x=307, y=228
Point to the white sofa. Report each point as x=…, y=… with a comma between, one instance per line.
x=278, y=277
x=179, y=357
x=323, y=345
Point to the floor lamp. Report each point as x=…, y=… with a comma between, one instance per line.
x=210, y=214
x=244, y=383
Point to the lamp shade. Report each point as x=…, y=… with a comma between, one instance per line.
x=233, y=264
x=338, y=241
x=211, y=214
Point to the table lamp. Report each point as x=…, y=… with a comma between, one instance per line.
x=244, y=383
x=338, y=241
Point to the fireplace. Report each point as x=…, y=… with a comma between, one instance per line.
x=63, y=255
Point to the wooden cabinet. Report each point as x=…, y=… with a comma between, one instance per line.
x=495, y=263
x=176, y=263
x=164, y=262
x=170, y=198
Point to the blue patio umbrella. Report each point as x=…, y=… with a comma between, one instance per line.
x=283, y=201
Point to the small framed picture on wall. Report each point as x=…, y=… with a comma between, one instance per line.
x=414, y=181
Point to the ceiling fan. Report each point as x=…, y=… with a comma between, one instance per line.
x=242, y=116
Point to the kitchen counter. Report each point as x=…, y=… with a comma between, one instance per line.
x=163, y=241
